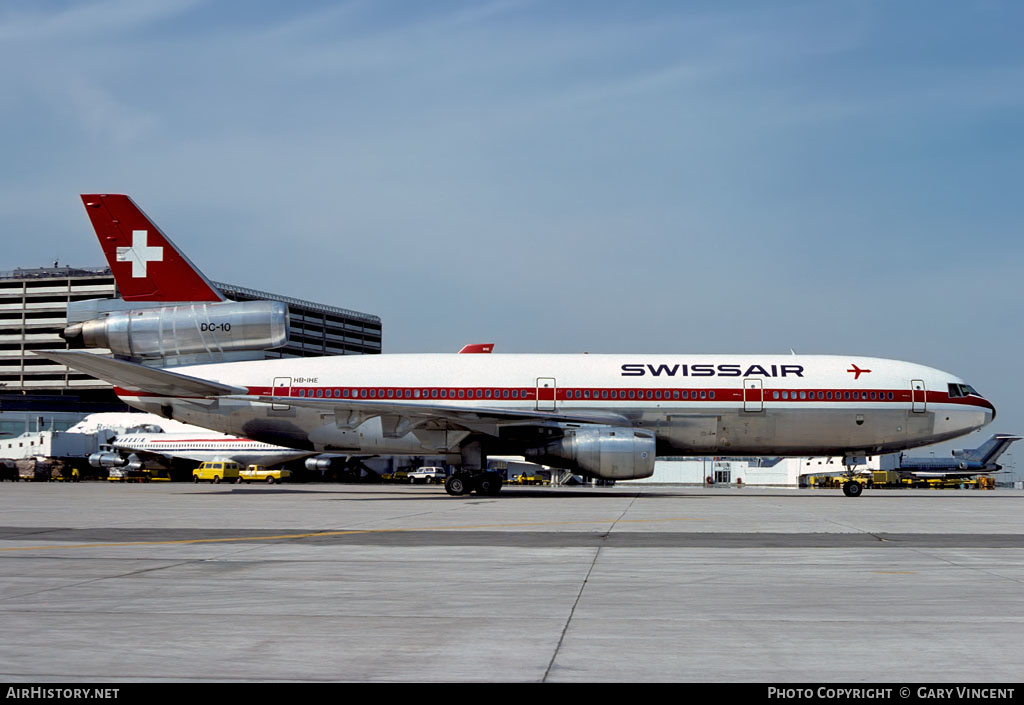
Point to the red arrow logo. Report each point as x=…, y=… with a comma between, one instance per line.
x=857, y=372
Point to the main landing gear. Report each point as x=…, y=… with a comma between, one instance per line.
x=473, y=475
x=484, y=483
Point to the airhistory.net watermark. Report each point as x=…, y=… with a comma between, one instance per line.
x=63, y=693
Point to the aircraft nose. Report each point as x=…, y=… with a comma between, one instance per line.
x=990, y=411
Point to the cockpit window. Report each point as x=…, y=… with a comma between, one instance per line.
x=962, y=390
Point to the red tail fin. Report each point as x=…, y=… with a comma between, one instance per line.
x=146, y=264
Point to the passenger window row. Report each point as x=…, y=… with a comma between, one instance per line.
x=404, y=393
x=601, y=394
x=639, y=394
x=832, y=396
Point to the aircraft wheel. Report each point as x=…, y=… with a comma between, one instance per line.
x=456, y=486
x=489, y=484
x=852, y=488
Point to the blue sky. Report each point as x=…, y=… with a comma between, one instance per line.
x=838, y=177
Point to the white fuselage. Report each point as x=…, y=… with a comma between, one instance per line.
x=204, y=446
x=693, y=404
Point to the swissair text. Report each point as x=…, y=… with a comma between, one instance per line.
x=639, y=370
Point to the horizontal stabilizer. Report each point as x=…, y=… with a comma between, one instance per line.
x=133, y=377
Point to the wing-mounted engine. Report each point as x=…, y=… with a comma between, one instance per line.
x=187, y=333
x=134, y=463
x=345, y=467
x=107, y=459
x=606, y=452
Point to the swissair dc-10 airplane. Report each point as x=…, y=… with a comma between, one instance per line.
x=606, y=416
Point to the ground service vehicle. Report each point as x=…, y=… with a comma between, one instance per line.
x=258, y=473
x=530, y=478
x=428, y=475
x=218, y=471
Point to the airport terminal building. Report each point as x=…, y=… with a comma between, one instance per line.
x=36, y=393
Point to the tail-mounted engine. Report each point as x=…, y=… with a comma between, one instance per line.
x=208, y=329
x=606, y=452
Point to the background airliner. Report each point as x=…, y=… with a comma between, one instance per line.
x=964, y=463
x=607, y=416
x=151, y=440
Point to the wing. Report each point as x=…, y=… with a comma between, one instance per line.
x=400, y=417
x=145, y=455
x=943, y=474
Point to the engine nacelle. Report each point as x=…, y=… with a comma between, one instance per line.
x=606, y=452
x=320, y=463
x=107, y=460
x=110, y=459
x=202, y=328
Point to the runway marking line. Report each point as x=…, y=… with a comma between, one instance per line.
x=348, y=532
x=895, y=572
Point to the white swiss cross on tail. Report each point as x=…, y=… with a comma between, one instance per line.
x=127, y=235
x=140, y=254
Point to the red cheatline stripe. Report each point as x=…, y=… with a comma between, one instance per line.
x=203, y=440
x=572, y=395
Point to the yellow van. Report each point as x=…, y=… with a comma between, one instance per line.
x=217, y=471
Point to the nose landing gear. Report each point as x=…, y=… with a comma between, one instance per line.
x=852, y=488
